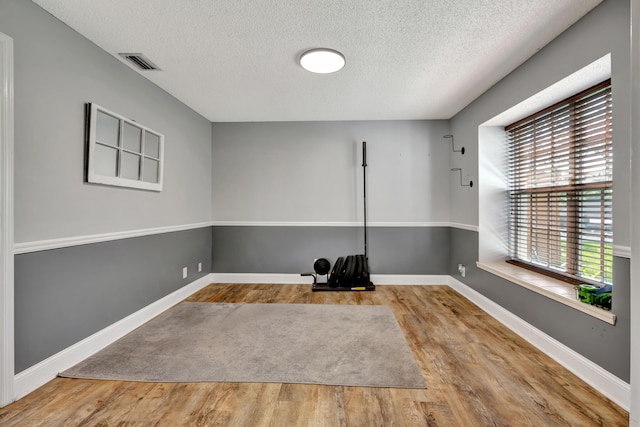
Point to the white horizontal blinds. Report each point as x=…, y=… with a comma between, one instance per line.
x=560, y=172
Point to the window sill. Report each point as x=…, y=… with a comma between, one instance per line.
x=552, y=288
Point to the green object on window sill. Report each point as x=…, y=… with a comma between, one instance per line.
x=589, y=295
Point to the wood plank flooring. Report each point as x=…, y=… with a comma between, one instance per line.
x=478, y=373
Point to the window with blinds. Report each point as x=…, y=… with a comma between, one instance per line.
x=560, y=188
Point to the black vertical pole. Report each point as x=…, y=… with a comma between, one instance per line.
x=364, y=181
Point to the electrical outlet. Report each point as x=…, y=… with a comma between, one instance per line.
x=199, y=267
x=462, y=269
x=184, y=272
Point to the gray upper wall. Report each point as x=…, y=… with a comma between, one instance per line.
x=57, y=71
x=311, y=171
x=604, y=30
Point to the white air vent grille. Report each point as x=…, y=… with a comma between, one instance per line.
x=139, y=61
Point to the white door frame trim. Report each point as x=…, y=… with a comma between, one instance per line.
x=7, y=373
x=634, y=412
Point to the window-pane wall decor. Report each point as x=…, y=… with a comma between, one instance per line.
x=122, y=152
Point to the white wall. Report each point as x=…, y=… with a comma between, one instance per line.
x=297, y=172
x=57, y=72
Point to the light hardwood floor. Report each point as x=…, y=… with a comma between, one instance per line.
x=478, y=373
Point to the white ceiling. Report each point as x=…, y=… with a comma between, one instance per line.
x=236, y=60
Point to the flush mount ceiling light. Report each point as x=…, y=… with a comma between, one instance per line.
x=322, y=61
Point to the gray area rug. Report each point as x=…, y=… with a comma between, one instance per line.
x=347, y=345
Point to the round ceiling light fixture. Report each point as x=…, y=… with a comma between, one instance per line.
x=322, y=61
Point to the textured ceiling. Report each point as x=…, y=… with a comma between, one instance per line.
x=236, y=60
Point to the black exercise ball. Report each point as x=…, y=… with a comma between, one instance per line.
x=322, y=266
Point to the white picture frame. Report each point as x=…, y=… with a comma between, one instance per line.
x=122, y=152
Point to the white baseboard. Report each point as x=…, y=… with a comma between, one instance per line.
x=605, y=382
x=262, y=278
x=409, y=279
x=377, y=279
x=36, y=376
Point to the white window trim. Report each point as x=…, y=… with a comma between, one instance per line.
x=492, y=167
x=554, y=289
x=95, y=178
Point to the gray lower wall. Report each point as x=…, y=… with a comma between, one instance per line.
x=604, y=344
x=391, y=250
x=65, y=295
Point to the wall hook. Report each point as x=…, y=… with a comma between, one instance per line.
x=470, y=184
x=461, y=151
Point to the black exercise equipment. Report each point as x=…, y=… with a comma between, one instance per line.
x=350, y=273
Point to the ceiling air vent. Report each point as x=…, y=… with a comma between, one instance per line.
x=139, y=61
